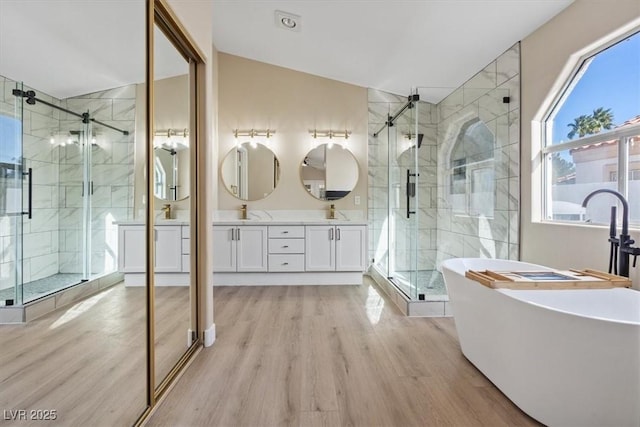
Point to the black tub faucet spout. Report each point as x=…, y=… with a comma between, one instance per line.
x=624, y=242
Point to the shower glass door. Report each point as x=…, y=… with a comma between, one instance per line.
x=11, y=168
x=403, y=201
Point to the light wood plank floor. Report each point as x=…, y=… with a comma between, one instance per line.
x=331, y=356
x=88, y=361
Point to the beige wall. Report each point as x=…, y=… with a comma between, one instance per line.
x=171, y=111
x=548, y=55
x=257, y=95
x=196, y=18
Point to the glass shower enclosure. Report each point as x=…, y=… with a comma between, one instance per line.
x=52, y=230
x=410, y=175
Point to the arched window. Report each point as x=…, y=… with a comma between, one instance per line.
x=472, y=182
x=592, y=136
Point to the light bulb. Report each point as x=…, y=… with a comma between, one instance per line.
x=52, y=141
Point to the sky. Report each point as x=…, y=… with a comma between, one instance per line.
x=611, y=81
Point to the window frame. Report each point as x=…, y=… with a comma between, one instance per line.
x=622, y=135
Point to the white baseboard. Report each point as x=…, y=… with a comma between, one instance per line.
x=292, y=279
x=161, y=279
x=210, y=335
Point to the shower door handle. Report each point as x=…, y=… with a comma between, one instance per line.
x=29, y=175
x=411, y=192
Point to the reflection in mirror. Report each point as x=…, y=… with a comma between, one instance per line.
x=171, y=159
x=172, y=291
x=329, y=172
x=67, y=125
x=250, y=171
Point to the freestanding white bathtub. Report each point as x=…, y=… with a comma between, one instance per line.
x=565, y=357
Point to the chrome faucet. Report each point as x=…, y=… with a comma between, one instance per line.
x=167, y=211
x=622, y=243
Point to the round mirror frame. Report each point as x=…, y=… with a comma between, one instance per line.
x=336, y=194
x=234, y=189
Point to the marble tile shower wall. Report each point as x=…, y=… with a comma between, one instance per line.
x=112, y=176
x=381, y=104
x=443, y=233
x=482, y=97
x=52, y=239
x=40, y=234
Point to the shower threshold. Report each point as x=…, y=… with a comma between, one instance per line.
x=431, y=287
x=53, y=300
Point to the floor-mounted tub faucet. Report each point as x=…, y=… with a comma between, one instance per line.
x=624, y=242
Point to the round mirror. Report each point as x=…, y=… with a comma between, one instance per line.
x=171, y=172
x=329, y=172
x=250, y=171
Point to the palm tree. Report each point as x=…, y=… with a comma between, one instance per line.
x=602, y=119
x=581, y=126
x=589, y=124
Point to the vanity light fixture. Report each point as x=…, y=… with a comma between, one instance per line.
x=174, y=137
x=252, y=133
x=331, y=134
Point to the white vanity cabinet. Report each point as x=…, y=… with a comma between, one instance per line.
x=239, y=248
x=172, y=256
x=168, y=249
x=281, y=253
x=335, y=248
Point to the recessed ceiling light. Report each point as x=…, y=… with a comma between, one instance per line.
x=287, y=21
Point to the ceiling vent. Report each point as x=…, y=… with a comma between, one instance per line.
x=287, y=21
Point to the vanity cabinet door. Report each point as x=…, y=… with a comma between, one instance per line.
x=169, y=249
x=350, y=247
x=132, y=249
x=224, y=248
x=320, y=248
x=252, y=249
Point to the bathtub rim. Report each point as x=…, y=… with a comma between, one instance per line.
x=573, y=313
x=446, y=265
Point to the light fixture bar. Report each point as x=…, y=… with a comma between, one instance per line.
x=172, y=132
x=253, y=132
x=330, y=133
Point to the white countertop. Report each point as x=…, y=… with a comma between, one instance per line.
x=157, y=222
x=288, y=222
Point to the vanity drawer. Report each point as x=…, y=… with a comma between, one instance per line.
x=286, y=231
x=286, y=246
x=286, y=262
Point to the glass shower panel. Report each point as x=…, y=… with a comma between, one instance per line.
x=379, y=201
x=69, y=146
x=11, y=168
x=403, y=201
x=111, y=188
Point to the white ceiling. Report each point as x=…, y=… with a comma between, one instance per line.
x=395, y=46
x=69, y=47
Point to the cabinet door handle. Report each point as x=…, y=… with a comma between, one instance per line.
x=233, y=234
x=337, y=234
x=285, y=263
x=285, y=232
x=331, y=234
x=285, y=246
x=238, y=230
